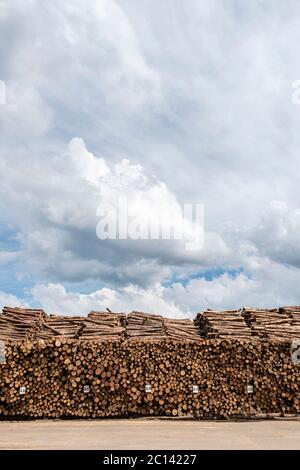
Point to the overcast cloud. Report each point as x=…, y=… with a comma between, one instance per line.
x=167, y=103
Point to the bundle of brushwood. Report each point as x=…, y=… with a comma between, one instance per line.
x=141, y=325
x=294, y=314
x=182, y=330
x=104, y=325
x=27, y=314
x=108, y=318
x=273, y=324
x=228, y=323
x=56, y=325
x=20, y=323
x=295, y=321
x=289, y=309
x=255, y=315
x=279, y=324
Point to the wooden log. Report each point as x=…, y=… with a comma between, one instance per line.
x=91, y=367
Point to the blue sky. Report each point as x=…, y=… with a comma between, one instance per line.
x=167, y=103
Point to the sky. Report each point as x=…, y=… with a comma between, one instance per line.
x=165, y=103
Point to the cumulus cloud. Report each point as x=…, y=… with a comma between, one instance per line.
x=11, y=300
x=269, y=286
x=277, y=233
x=56, y=299
x=170, y=104
x=58, y=220
x=8, y=256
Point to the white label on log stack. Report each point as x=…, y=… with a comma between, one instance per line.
x=195, y=389
x=295, y=353
x=250, y=389
x=22, y=390
x=147, y=388
x=86, y=389
x=2, y=353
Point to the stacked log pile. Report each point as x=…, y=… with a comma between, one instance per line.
x=105, y=325
x=140, y=325
x=182, y=330
x=273, y=324
x=295, y=323
x=56, y=325
x=65, y=377
x=226, y=324
x=20, y=323
x=149, y=326
x=294, y=314
x=111, y=364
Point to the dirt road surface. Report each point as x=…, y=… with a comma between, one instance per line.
x=146, y=434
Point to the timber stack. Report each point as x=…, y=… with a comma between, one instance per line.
x=278, y=324
x=240, y=363
x=226, y=324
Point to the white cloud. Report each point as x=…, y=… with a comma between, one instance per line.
x=90, y=168
x=57, y=220
x=271, y=285
x=8, y=256
x=277, y=233
x=24, y=112
x=10, y=300
x=198, y=95
x=55, y=299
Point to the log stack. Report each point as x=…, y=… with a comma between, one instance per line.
x=72, y=378
x=225, y=324
x=294, y=314
x=140, y=325
x=144, y=326
x=273, y=324
x=109, y=364
x=182, y=330
x=20, y=323
x=56, y=325
x=105, y=325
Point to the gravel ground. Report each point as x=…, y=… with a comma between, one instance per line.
x=150, y=434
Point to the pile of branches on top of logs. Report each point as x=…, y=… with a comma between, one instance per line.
x=275, y=324
x=224, y=324
x=20, y=323
x=272, y=324
x=103, y=324
x=182, y=330
x=141, y=325
x=290, y=309
x=95, y=325
x=294, y=313
x=17, y=324
x=57, y=325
